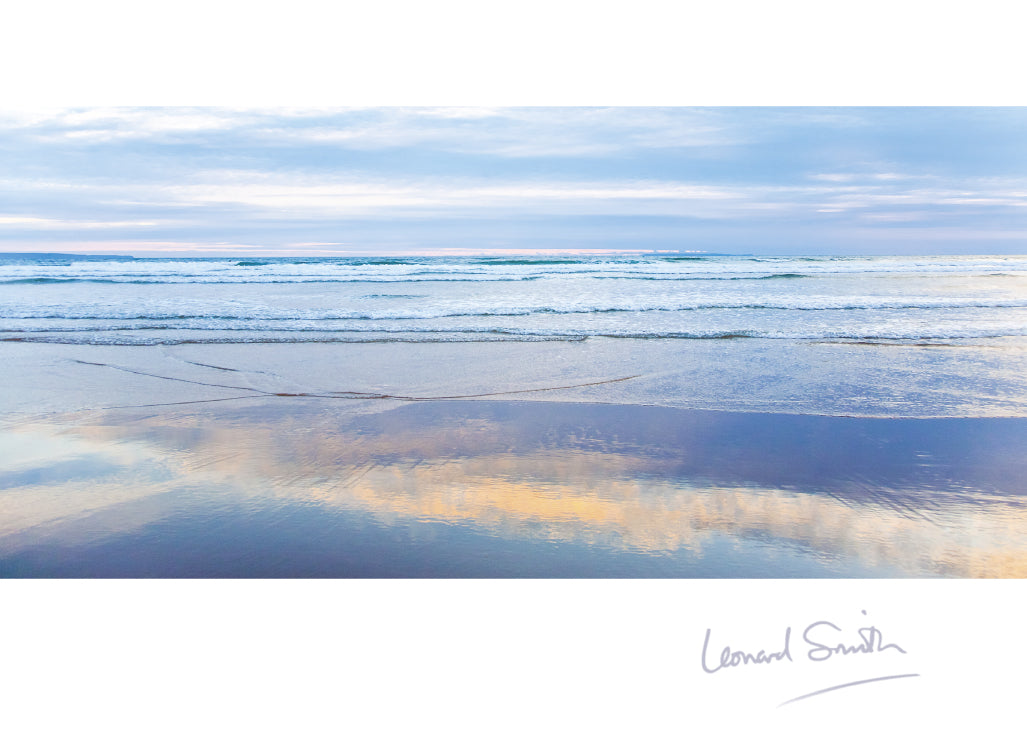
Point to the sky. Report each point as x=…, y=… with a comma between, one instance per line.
x=336, y=181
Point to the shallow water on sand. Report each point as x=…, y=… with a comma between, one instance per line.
x=317, y=487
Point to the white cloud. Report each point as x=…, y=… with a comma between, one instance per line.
x=833, y=177
x=57, y=223
x=512, y=132
x=225, y=198
x=98, y=125
x=297, y=197
x=504, y=132
x=460, y=113
x=906, y=216
x=22, y=220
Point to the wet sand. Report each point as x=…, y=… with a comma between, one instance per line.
x=232, y=472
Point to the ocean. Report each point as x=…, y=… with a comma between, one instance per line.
x=937, y=336
x=679, y=297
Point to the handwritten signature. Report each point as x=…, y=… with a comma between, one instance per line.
x=824, y=640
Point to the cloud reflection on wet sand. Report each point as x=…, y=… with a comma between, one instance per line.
x=527, y=471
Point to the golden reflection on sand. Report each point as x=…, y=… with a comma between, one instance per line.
x=662, y=517
x=464, y=474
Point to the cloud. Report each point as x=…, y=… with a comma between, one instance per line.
x=230, y=195
x=308, y=176
x=91, y=127
x=58, y=224
x=278, y=196
x=503, y=132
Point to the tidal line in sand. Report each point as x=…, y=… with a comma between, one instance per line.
x=341, y=395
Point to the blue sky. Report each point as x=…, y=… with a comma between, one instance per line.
x=798, y=180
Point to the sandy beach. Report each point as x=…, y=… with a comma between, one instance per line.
x=477, y=460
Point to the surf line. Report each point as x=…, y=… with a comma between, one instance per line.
x=335, y=395
x=847, y=684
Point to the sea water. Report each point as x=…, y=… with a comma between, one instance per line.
x=124, y=301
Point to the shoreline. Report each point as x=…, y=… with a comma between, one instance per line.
x=756, y=375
